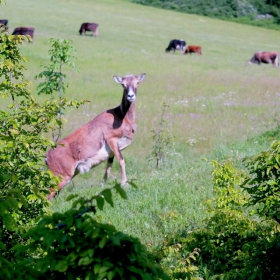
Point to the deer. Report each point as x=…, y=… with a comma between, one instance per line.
x=101, y=139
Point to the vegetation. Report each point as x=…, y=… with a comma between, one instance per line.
x=23, y=183
x=232, y=243
x=220, y=111
x=61, y=53
x=254, y=12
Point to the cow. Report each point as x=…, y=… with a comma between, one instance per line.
x=89, y=26
x=176, y=44
x=4, y=22
x=265, y=57
x=24, y=31
x=193, y=49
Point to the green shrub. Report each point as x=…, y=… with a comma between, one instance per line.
x=263, y=182
x=74, y=245
x=232, y=243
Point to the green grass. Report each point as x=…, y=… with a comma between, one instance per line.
x=217, y=101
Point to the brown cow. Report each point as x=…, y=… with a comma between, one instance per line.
x=89, y=26
x=4, y=22
x=24, y=31
x=193, y=49
x=265, y=57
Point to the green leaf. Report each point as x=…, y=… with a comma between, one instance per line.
x=14, y=131
x=103, y=269
x=102, y=242
x=96, y=268
x=116, y=240
x=100, y=202
x=85, y=261
x=108, y=196
x=134, y=269
x=9, y=222
x=61, y=266
x=121, y=191
x=71, y=196
x=111, y=274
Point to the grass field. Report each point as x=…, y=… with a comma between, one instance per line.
x=216, y=101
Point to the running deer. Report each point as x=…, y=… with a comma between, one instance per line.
x=101, y=139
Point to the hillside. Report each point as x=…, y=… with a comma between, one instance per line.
x=216, y=101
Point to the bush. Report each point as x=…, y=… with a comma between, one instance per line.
x=73, y=245
x=232, y=244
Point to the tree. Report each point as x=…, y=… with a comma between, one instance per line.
x=61, y=54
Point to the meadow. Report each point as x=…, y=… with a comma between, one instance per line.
x=218, y=105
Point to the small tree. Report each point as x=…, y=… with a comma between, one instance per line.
x=161, y=140
x=61, y=53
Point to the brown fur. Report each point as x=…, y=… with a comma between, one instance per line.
x=193, y=49
x=101, y=139
x=265, y=57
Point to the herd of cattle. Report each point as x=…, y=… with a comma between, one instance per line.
x=86, y=26
x=175, y=44
x=258, y=57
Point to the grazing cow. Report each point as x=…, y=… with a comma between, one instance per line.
x=101, y=139
x=24, y=31
x=265, y=57
x=176, y=45
x=193, y=49
x=89, y=26
x=4, y=22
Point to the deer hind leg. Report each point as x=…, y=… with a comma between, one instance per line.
x=108, y=168
x=65, y=172
x=60, y=185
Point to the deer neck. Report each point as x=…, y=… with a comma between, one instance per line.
x=127, y=109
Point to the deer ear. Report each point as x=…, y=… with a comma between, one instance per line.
x=118, y=79
x=141, y=77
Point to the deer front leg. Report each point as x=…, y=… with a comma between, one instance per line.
x=113, y=144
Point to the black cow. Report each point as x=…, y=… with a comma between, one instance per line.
x=176, y=45
x=89, y=26
x=4, y=22
x=24, y=31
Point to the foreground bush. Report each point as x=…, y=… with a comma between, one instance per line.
x=72, y=245
x=234, y=244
